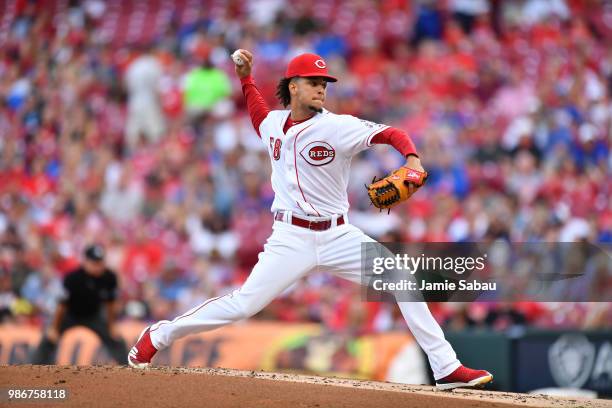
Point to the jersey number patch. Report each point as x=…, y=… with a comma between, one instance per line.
x=276, y=150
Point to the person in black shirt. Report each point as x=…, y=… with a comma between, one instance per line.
x=89, y=300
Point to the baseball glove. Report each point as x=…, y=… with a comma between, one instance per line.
x=397, y=187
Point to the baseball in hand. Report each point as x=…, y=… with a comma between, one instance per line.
x=237, y=58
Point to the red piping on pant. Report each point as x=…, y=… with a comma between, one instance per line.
x=189, y=314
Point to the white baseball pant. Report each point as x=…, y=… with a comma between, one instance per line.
x=289, y=254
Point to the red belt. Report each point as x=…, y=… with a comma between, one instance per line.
x=313, y=225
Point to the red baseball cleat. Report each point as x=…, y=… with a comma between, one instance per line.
x=464, y=377
x=142, y=352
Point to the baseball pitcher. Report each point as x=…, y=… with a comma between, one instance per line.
x=310, y=151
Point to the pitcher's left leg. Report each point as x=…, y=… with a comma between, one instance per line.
x=341, y=255
x=429, y=335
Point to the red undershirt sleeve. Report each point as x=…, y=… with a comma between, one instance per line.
x=396, y=138
x=256, y=104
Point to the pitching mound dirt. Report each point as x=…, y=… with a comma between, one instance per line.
x=112, y=386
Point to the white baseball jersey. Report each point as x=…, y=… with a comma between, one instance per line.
x=310, y=170
x=311, y=163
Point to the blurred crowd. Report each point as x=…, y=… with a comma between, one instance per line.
x=123, y=123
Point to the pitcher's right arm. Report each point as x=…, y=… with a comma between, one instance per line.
x=256, y=104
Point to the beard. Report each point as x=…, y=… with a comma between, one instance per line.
x=315, y=109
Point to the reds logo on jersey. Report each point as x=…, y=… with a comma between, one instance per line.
x=318, y=153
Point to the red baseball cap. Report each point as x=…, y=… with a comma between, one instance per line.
x=308, y=65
